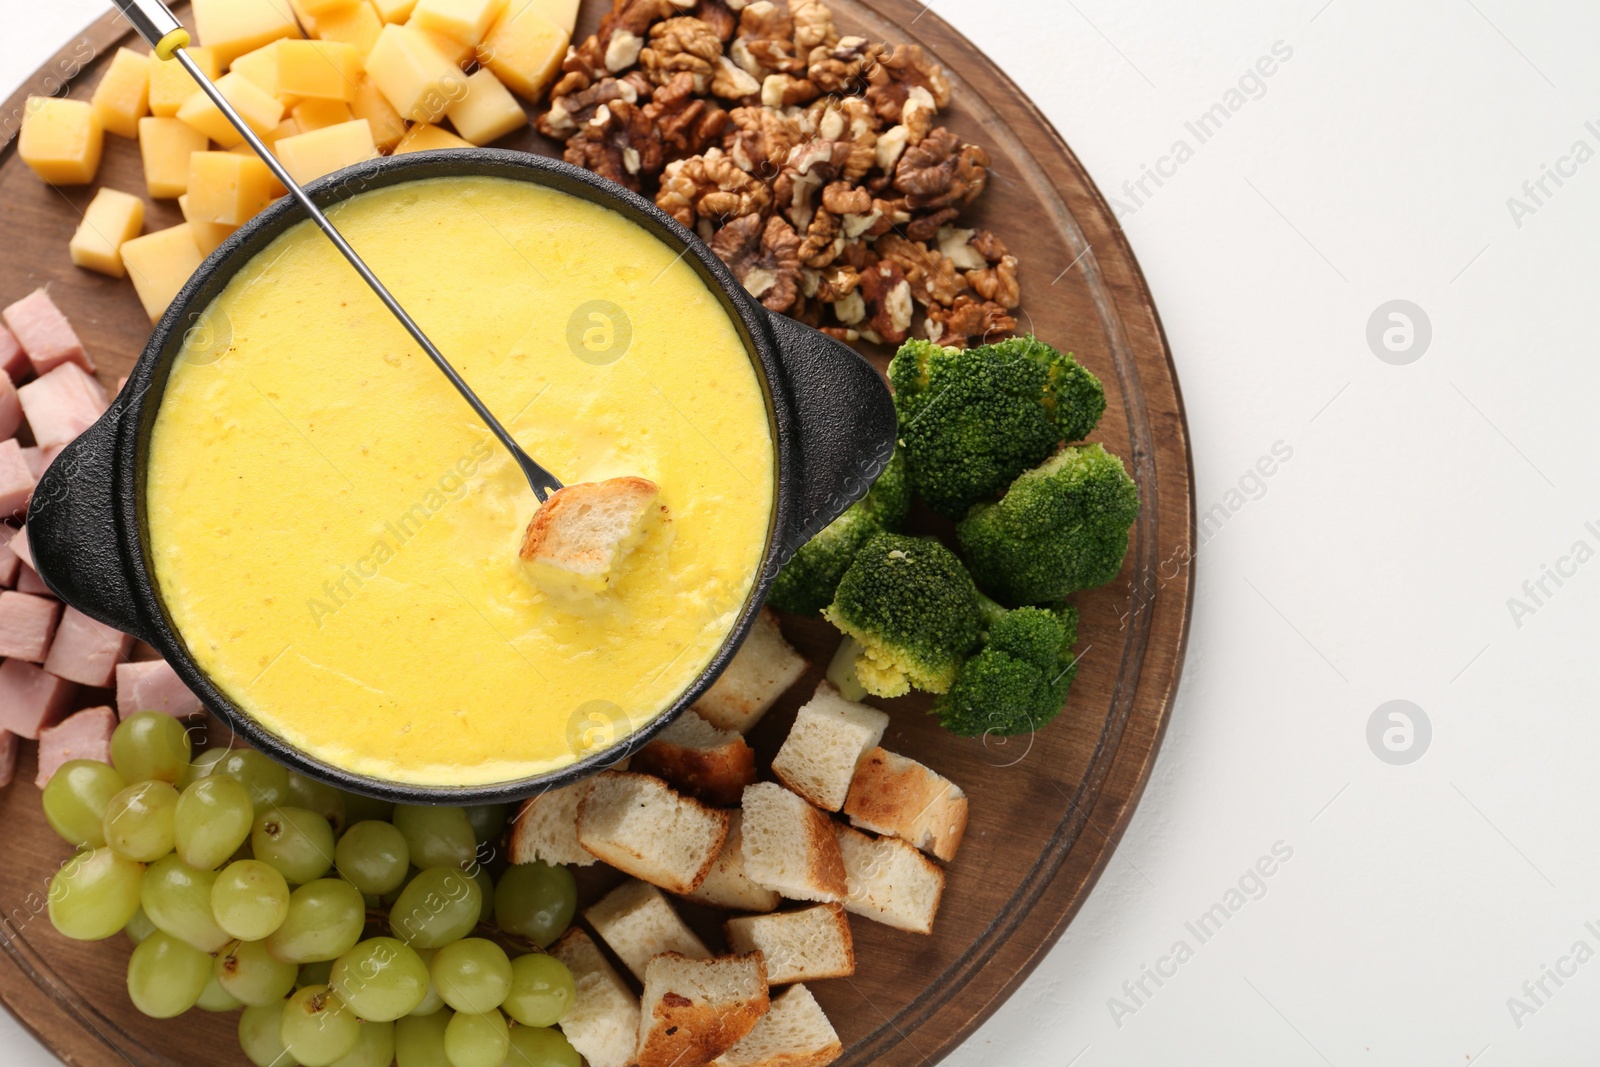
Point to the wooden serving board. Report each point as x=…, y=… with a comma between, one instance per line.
x=1046, y=811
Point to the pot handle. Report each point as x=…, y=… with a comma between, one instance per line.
x=72, y=529
x=846, y=424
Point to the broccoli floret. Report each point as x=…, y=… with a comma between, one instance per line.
x=1061, y=527
x=972, y=420
x=807, y=582
x=1019, y=681
x=913, y=608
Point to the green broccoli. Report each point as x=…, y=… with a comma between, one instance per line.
x=912, y=607
x=807, y=582
x=972, y=420
x=1019, y=681
x=1061, y=527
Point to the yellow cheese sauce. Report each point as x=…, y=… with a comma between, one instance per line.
x=335, y=535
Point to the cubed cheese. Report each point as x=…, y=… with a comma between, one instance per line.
x=416, y=78
x=260, y=110
x=488, y=111
x=326, y=70
x=357, y=25
x=166, y=145
x=229, y=188
x=311, y=155
x=465, y=21
x=208, y=236
x=230, y=28
x=61, y=140
x=425, y=138
x=370, y=104
x=123, y=96
x=170, y=84
x=160, y=264
x=321, y=9
x=45, y=334
x=260, y=68
x=394, y=10
x=314, y=114
x=525, y=50
x=563, y=13
x=112, y=219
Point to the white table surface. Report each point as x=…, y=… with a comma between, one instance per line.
x=1379, y=562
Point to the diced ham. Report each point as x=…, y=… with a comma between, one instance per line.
x=152, y=685
x=33, y=456
x=16, y=480
x=10, y=406
x=50, y=452
x=10, y=567
x=31, y=698
x=13, y=360
x=27, y=623
x=45, y=334
x=10, y=743
x=85, y=650
x=84, y=735
x=19, y=545
x=62, y=404
x=28, y=581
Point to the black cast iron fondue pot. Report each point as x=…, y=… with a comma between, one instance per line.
x=831, y=419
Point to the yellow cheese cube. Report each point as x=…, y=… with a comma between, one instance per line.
x=488, y=112
x=320, y=9
x=323, y=70
x=466, y=21
x=166, y=145
x=111, y=221
x=123, y=96
x=411, y=73
x=393, y=11
x=160, y=264
x=208, y=236
x=311, y=155
x=357, y=26
x=228, y=188
x=260, y=110
x=230, y=28
x=287, y=128
x=170, y=84
x=525, y=50
x=320, y=114
x=426, y=138
x=260, y=67
x=563, y=13
x=62, y=140
x=455, y=51
x=387, y=125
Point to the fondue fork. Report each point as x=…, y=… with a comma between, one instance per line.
x=157, y=25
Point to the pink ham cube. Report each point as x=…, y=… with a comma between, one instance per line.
x=85, y=650
x=28, y=581
x=27, y=623
x=10, y=406
x=62, y=404
x=10, y=567
x=10, y=743
x=13, y=360
x=152, y=685
x=19, y=545
x=45, y=334
x=84, y=735
x=16, y=480
x=33, y=456
x=31, y=698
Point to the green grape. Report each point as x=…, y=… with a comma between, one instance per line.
x=267, y=782
x=94, y=894
x=487, y=821
x=249, y=973
x=485, y=880
x=432, y=1001
x=299, y=843
x=261, y=1035
x=541, y=989
x=324, y=922
x=211, y=822
x=317, y=973
x=473, y=975
x=358, y=808
x=139, y=927
x=373, y=857
x=374, y=1048
x=177, y=898
x=214, y=998
x=249, y=900
x=76, y=798
x=312, y=795
x=437, y=837
x=390, y=898
x=149, y=746
x=138, y=822
x=419, y=1040
x=317, y=1027
x=541, y=1046
x=166, y=976
x=202, y=766
x=439, y=906
x=381, y=979
x=477, y=1040
x=536, y=901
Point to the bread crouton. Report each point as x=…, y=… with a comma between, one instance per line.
x=798, y=946
x=793, y=1033
x=894, y=795
x=755, y=678
x=602, y=1021
x=727, y=886
x=788, y=846
x=889, y=881
x=695, y=1010
x=546, y=828
x=829, y=737
x=700, y=760
x=636, y=921
x=579, y=538
x=640, y=826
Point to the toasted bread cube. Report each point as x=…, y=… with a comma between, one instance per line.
x=798, y=946
x=525, y=49
x=160, y=265
x=230, y=28
x=322, y=70
x=829, y=737
x=793, y=1033
x=208, y=236
x=546, y=828
x=166, y=145
x=694, y=1010
x=700, y=760
x=357, y=25
x=894, y=795
x=228, y=188
x=465, y=21
x=789, y=847
x=889, y=881
x=309, y=156
x=111, y=221
x=309, y=116
x=418, y=80
x=394, y=11
x=727, y=886
x=580, y=537
x=62, y=140
x=260, y=110
x=641, y=827
x=425, y=138
x=602, y=1022
x=488, y=111
x=759, y=673
x=123, y=96
x=638, y=923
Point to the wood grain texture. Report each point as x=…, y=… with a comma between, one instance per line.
x=1047, y=811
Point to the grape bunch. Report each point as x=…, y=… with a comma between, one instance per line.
x=352, y=932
